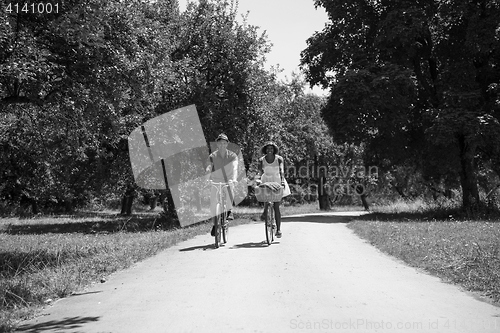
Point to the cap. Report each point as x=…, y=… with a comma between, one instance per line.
x=222, y=136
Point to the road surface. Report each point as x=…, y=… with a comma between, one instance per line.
x=319, y=277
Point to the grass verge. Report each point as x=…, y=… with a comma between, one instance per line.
x=46, y=258
x=440, y=241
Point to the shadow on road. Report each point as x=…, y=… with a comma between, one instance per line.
x=199, y=247
x=65, y=324
x=320, y=218
x=87, y=293
x=262, y=244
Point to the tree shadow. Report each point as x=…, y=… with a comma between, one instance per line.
x=14, y=263
x=74, y=215
x=437, y=215
x=86, y=293
x=401, y=217
x=320, y=218
x=65, y=324
x=104, y=223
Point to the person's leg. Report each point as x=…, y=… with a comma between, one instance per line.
x=229, y=204
x=213, y=207
x=277, y=216
x=213, y=201
x=264, y=213
x=258, y=190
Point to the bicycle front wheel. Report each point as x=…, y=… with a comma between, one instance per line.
x=217, y=225
x=224, y=224
x=273, y=222
x=224, y=229
x=269, y=224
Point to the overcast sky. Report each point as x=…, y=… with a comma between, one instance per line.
x=288, y=25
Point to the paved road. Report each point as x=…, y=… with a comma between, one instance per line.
x=319, y=277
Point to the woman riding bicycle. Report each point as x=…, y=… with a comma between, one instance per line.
x=271, y=169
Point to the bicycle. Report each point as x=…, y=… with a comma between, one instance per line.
x=268, y=196
x=221, y=225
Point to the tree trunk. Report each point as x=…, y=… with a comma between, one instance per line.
x=169, y=209
x=68, y=206
x=168, y=202
x=468, y=177
x=34, y=206
x=127, y=201
x=364, y=201
x=400, y=192
x=27, y=200
x=324, y=203
x=153, y=201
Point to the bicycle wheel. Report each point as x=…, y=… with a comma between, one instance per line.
x=269, y=224
x=273, y=222
x=224, y=226
x=224, y=231
x=217, y=226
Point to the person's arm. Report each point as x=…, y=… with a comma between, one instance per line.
x=260, y=172
x=281, y=164
x=209, y=167
x=235, y=168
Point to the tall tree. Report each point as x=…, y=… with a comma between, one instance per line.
x=219, y=67
x=416, y=80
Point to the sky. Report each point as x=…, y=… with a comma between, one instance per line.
x=288, y=24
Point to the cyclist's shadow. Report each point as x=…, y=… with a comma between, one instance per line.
x=252, y=245
x=200, y=247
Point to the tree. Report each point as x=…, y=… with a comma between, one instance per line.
x=219, y=67
x=76, y=83
x=416, y=81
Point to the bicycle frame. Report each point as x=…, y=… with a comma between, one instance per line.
x=220, y=213
x=270, y=221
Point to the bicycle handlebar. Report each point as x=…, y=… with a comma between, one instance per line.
x=264, y=185
x=222, y=183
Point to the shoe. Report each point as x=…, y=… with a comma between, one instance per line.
x=278, y=234
x=229, y=216
x=213, y=231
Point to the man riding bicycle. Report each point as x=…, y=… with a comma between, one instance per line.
x=223, y=167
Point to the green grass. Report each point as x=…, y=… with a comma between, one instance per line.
x=441, y=240
x=46, y=258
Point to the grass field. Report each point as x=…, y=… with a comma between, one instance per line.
x=442, y=241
